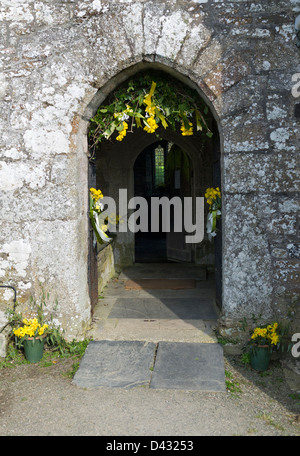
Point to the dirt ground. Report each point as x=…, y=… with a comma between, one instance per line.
x=42, y=401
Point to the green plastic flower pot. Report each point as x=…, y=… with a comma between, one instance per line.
x=260, y=357
x=33, y=349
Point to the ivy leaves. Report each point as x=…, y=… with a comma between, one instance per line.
x=148, y=101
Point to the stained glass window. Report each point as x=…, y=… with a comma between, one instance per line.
x=159, y=166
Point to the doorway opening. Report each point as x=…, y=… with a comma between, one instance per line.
x=162, y=169
x=166, y=163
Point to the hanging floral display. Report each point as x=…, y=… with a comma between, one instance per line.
x=147, y=103
x=96, y=207
x=213, y=199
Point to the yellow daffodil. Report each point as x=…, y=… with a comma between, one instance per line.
x=96, y=194
x=151, y=125
x=266, y=335
x=148, y=97
x=31, y=328
x=150, y=110
x=274, y=339
x=187, y=131
x=212, y=194
x=122, y=133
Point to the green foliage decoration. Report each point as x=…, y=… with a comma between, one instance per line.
x=149, y=101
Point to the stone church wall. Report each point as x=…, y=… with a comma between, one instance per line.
x=59, y=59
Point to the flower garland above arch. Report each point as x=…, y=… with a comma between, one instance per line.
x=148, y=102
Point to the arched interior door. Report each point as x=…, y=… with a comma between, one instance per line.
x=162, y=169
x=178, y=178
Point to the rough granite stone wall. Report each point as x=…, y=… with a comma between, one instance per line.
x=54, y=58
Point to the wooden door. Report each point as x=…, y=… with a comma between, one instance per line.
x=178, y=176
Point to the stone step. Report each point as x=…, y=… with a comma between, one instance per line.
x=116, y=288
x=154, y=330
x=162, y=365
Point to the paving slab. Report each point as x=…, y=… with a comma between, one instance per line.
x=123, y=364
x=166, y=365
x=189, y=366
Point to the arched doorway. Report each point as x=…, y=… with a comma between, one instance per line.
x=116, y=164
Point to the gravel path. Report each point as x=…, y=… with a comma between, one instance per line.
x=40, y=401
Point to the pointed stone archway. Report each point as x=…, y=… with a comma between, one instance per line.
x=115, y=163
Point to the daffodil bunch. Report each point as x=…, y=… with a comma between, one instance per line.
x=186, y=131
x=213, y=199
x=30, y=328
x=96, y=208
x=151, y=125
x=122, y=133
x=266, y=335
x=96, y=194
x=152, y=112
